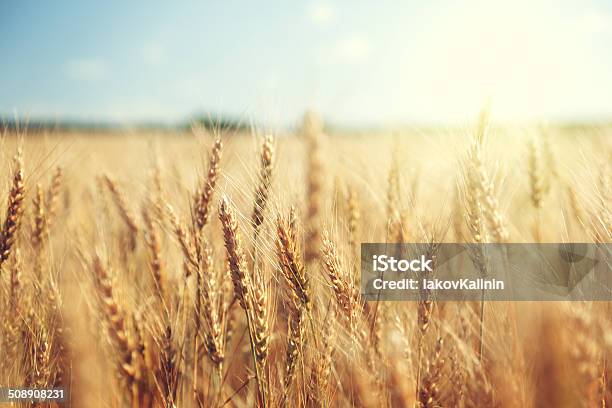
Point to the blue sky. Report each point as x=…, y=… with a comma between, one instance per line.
x=356, y=62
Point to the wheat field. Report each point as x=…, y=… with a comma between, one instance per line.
x=214, y=268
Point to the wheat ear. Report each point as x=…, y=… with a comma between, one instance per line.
x=244, y=291
x=235, y=255
x=14, y=211
x=265, y=182
x=343, y=287
x=153, y=242
x=292, y=270
x=203, y=198
x=117, y=328
x=39, y=224
x=124, y=210
x=53, y=194
x=314, y=177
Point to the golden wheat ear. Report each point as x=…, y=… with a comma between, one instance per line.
x=124, y=211
x=252, y=293
x=153, y=241
x=14, y=210
x=235, y=255
x=311, y=129
x=204, y=195
x=346, y=294
x=262, y=190
x=116, y=325
x=185, y=241
x=53, y=194
x=39, y=223
x=290, y=260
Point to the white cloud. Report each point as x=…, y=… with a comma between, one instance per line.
x=321, y=13
x=87, y=69
x=154, y=54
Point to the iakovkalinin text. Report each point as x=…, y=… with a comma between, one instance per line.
x=385, y=263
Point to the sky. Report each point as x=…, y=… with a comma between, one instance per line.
x=356, y=62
